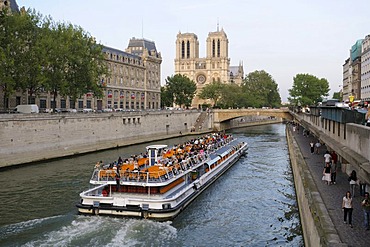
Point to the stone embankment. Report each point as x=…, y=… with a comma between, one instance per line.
x=30, y=138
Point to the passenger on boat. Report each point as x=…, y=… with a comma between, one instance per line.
x=97, y=166
x=120, y=161
x=104, y=192
x=118, y=181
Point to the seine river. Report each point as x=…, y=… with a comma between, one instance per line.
x=252, y=204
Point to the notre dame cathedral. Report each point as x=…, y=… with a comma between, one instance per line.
x=214, y=67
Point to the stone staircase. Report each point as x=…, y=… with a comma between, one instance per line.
x=198, y=126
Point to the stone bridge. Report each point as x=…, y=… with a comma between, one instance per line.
x=222, y=117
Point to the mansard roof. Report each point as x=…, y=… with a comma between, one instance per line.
x=144, y=43
x=119, y=52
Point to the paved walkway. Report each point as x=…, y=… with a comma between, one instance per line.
x=332, y=195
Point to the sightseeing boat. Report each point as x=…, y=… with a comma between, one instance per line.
x=162, y=182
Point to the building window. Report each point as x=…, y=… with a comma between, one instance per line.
x=183, y=49
x=218, y=48
x=42, y=103
x=213, y=48
x=17, y=101
x=80, y=104
x=52, y=104
x=63, y=103
x=31, y=100
x=88, y=104
x=188, y=49
x=72, y=104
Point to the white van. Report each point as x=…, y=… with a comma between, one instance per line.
x=27, y=109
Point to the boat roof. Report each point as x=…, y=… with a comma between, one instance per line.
x=223, y=150
x=159, y=146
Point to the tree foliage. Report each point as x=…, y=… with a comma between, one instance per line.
x=260, y=89
x=338, y=95
x=308, y=89
x=181, y=88
x=38, y=55
x=212, y=91
x=166, y=97
x=232, y=97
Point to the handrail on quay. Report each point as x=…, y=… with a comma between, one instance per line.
x=343, y=131
x=338, y=114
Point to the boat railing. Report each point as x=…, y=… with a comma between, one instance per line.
x=142, y=173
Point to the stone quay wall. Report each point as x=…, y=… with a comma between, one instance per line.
x=29, y=138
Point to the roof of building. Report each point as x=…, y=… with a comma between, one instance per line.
x=119, y=52
x=144, y=43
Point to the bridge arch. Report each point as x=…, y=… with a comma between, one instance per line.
x=223, y=116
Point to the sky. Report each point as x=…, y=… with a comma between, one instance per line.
x=283, y=38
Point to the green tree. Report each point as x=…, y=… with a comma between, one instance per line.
x=8, y=44
x=212, y=91
x=338, y=95
x=182, y=88
x=85, y=64
x=308, y=89
x=28, y=62
x=261, y=90
x=73, y=62
x=166, y=97
x=39, y=55
x=232, y=96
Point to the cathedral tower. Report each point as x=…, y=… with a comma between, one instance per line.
x=214, y=67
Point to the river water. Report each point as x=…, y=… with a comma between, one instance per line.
x=252, y=204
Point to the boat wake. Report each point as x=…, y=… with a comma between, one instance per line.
x=107, y=231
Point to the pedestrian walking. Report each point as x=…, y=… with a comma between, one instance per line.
x=327, y=157
x=327, y=173
x=347, y=208
x=333, y=171
x=353, y=182
x=312, y=146
x=317, y=146
x=366, y=208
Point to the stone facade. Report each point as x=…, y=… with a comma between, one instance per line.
x=214, y=67
x=365, y=69
x=133, y=83
x=346, y=85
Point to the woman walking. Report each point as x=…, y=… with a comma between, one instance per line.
x=347, y=208
x=352, y=182
x=327, y=174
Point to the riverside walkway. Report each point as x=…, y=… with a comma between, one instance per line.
x=332, y=195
